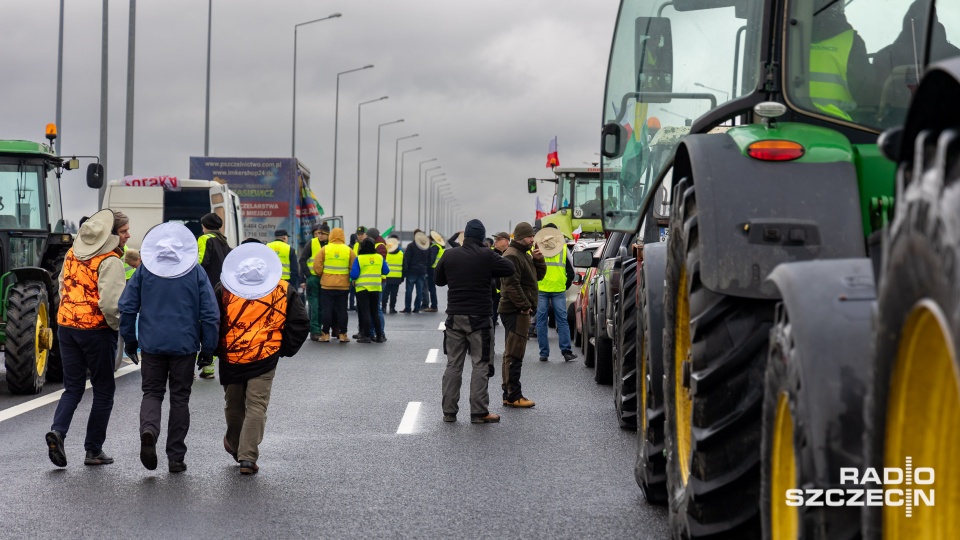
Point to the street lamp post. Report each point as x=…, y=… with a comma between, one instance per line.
x=419, y=186
x=362, y=103
x=441, y=189
x=726, y=95
x=336, y=119
x=421, y=197
x=396, y=158
x=376, y=204
x=293, y=144
x=428, y=216
x=402, y=156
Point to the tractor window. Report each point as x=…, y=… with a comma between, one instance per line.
x=54, y=210
x=671, y=62
x=22, y=202
x=857, y=62
x=563, y=193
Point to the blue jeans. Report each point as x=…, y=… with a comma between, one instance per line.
x=80, y=351
x=411, y=282
x=558, y=301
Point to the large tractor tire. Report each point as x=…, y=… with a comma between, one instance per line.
x=54, y=360
x=650, y=470
x=913, y=402
x=625, y=356
x=715, y=350
x=29, y=337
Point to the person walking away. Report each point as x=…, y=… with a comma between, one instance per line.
x=392, y=286
x=212, y=248
x=436, y=251
x=90, y=285
x=178, y=317
x=416, y=261
x=131, y=261
x=517, y=303
x=261, y=320
x=355, y=240
x=333, y=264
x=553, y=291
x=381, y=248
x=367, y=273
x=288, y=256
x=321, y=235
x=467, y=271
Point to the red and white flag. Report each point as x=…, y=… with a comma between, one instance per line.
x=553, y=159
x=540, y=212
x=577, y=232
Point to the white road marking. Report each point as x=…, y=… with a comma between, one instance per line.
x=409, y=418
x=432, y=356
x=442, y=327
x=17, y=410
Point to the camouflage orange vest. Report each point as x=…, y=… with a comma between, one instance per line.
x=253, y=327
x=80, y=301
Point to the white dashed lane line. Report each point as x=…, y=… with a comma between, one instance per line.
x=409, y=418
x=53, y=397
x=442, y=327
x=432, y=356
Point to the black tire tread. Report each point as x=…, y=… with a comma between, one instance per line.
x=19, y=359
x=625, y=349
x=650, y=470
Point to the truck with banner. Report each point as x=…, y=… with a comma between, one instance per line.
x=274, y=193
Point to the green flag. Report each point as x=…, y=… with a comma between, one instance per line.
x=388, y=232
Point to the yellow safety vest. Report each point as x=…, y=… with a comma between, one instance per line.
x=556, y=277
x=829, y=90
x=439, y=254
x=371, y=273
x=395, y=262
x=356, y=248
x=282, y=250
x=201, y=244
x=314, y=249
x=336, y=259
x=127, y=269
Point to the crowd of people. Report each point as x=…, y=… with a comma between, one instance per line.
x=181, y=301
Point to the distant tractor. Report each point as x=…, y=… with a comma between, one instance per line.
x=576, y=200
x=33, y=242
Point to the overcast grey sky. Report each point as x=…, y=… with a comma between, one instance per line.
x=485, y=84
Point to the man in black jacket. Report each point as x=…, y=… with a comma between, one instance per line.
x=416, y=261
x=467, y=271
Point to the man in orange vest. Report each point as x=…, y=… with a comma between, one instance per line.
x=262, y=320
x=90, y=286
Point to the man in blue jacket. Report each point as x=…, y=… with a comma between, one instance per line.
x=178, y=317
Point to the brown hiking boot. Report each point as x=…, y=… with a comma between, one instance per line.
x=488, y=419
x=324, y=338
x=343, y=338
x=520, y=403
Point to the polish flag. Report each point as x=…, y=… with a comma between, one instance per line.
x=540, y=212
x=577, y=232
x=553, y=159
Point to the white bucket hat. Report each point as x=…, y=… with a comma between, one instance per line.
x=550, y=241
x=95, y=235
x=169, y=250
x=251, y=271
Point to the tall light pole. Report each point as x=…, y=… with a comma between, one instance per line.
x=726, y=95
x=402, y=156
x=396, y=158
x=59, y=80
x=442, y=187
x=428, y=209
x=420, y=188
x=362, y=103
x=206, y=113
x=104, y=64
x=293, y=143
x=336, y=117
x=131, y=69
x=376, y=204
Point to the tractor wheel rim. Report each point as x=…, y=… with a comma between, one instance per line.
x=40, y=352
x=784, y=520
x=682, y=401
x=642, y=382
x=922, y=417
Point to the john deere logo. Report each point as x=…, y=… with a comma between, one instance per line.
x=908, y=487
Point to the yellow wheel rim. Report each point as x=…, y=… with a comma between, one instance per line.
x=39, y=340
x=642, y=382
x=683, y=405
x=923, y=415
x=784, y=520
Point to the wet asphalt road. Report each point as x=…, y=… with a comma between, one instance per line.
x=332, y=464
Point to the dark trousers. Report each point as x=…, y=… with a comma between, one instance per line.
x=353, y=297
x=432, y=289
x=83, y=350
x=414, y=282
x=463, y=334
x=368, y=310
x=334, y=307
x=516, y=326
x=313, y=303
x=389, y=297
x=157, y=370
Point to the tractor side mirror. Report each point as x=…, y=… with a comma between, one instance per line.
x=95, y=176
x=531, y=185
x=584, y=259
x=614, y=137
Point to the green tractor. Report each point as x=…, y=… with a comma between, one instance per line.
x=784, y=362
x=33, y=242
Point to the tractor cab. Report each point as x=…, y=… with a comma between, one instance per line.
x=33, y=242
x=577, y=200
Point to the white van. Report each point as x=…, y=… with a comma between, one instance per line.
x=153, y=200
